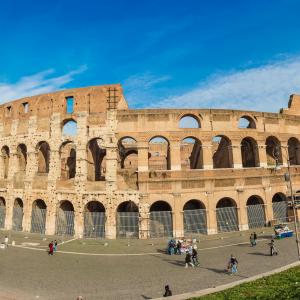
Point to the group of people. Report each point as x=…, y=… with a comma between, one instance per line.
x=52, y=247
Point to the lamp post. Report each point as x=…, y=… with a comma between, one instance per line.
x=288, y=178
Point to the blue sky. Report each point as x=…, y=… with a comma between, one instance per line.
x=226, y=54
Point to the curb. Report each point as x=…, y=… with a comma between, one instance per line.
x=228, y=285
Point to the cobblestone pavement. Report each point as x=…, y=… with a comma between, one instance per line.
x=31, y=274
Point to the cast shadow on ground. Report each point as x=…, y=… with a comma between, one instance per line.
x=259, y=254
x=145, y=297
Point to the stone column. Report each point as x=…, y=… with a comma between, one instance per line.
x=13, y=165
x=268, y=204
x=211, y=214
x=242, y=212
x=175, y=155
x=27, y=210
x=178, y=228
x=237, y=156
x=143, y=156
x=9, y=212
x=263, y=162
x=78, y=223
x=50, y=219
x=207, y=156
x=144, y=207
x=111, y=224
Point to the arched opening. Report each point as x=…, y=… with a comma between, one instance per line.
x=280, y=208
x=69, y=128
x=191, y=154
x=17, y=215
x=247, y=122
x=43, y=157
x=227, y=217
x=194, y=217
x=67, y=160
x=22, y=157
x=2, y=212
x=5, y=160
x=256, y=212
x=294, y=151
x=96, y=160
x=161, y=223
x=249, y=151
x=128, y=220
x=38, y=216
x=273, y=150
x=222, y=157
x=64, y=224
x=189, y=121
x=94, y=220
x=159, y=154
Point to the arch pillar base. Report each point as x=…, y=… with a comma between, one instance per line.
x=212, y=231
x=110, y=232
x=243, y=227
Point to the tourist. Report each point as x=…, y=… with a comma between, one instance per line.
x=55, y=246
x=168, y=292
x=255, y=238
x=51, y=248
x=195, y=256
x=252, y=239
x=188, y=260
x=273, y=250
x=232, y=265
x=178, y=247
x=6, y=241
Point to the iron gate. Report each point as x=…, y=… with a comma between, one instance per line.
x=38, y=220
x=17, y=218
x=227, y=219
x=161, y=224
x=2, y=216
x=128, y=224
x=195, y=221
x=64, y=224
x=280, y=211
x=94, y=224
x=256, y=216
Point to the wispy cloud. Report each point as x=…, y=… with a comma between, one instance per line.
x=264, y=88
x=137, y=87
x=39, y=83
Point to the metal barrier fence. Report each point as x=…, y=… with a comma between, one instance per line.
x=64, y=224
x=38, y=220
x=227, y=219
x=280, y=211
x=94, y=225
x=195, y=221
x=256, y=216
x=128, y=224
x=2, y=216
x=17, y=218
x=161, y=224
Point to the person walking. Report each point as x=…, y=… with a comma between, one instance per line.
x=254, y=238
x=188, y=260
x=168, y=292
x=232, y=265
x=55, y=246
x=251, y=239
x=51, y=248
x=6, y=241
x=273, y=249
x=195, y=257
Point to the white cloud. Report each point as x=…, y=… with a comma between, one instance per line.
x=39, y=83
x=264, y=88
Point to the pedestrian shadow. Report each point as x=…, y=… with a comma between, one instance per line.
x=218, y=271
x=175, y=262
x=258, y=253
x=146, y=297
x=164, y=251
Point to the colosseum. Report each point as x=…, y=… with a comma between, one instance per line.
x=79, y=162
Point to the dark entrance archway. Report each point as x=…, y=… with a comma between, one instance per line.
x=256, y=212
x=194, y=217
x=2, y=212
x=280, y=208
x=94, y=220
x=161, y=223
x=38, y=216
x=227, y=217
x=128, y=220
x=64, y=224
x=17, y=215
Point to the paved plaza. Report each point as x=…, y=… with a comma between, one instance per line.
x=95, y=271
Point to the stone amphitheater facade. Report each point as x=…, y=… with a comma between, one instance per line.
x=80, y=162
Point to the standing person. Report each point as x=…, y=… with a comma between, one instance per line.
x=51, y=248
x=273, y=250
x=188, y=260
x=252, y=239
x=6, y=241
x=178, y=247
x=195, y=257
x=55, y=246
x=168, y=292
x=255, y=238
x=233, y=263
